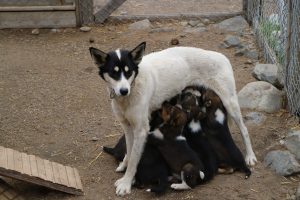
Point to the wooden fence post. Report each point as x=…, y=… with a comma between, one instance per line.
x=107, y=9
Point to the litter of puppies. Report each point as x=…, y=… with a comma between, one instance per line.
x=189, y=142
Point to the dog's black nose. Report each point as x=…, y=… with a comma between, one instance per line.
x=124, y=91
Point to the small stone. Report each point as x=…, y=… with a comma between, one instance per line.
x=252, y=54
x=35, y=31
x=140, y=25
x=223, y=45
x=85, y=29
x=206, y=21
x=91, y=40
x=193, y=23
x=174, y=41
x=200, y=25
x=240, y=52
x=232, y=41
x=184, y=23
x=282, y=162
x=123, y=13
x=234, y=24
x=95, y=138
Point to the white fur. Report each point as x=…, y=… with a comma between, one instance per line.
x=182, y=185
x=123, y=83
x=118, y=52
x=157, y=134
x=161, y=76
x=201, y=175
x=219, y=116
x=195, y=126
x=180, y=138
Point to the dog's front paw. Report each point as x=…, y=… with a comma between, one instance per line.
x=251, y=159
x=122, y=166
x=180, y=186
x=123, y=186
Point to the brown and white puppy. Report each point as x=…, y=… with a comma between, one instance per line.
x=173, y=146
x=215, y=127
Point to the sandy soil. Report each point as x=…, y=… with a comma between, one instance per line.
x=53, y=104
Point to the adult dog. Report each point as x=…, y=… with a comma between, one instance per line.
x=139, y=84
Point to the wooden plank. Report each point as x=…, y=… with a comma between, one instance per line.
x=41, y=168
x=10, y=159
x=38, y=19
x=78, y=181
x=18, y=161
x=26, y=164
x=63, y=174
x=36, y=8
x=71, y=177
x=56, y=173
x=107, y=9
x=38, y=171
x=3, y=157
x=33, y=166
x=49, y=171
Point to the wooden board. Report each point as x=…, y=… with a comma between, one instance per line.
x=39, y=171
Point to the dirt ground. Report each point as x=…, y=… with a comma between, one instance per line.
x=54, y=105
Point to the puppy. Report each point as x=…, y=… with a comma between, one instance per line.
x=152, y=168
x=215, y=126
x=174, y=148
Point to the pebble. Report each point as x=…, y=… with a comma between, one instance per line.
x=85, y=29
x=35, y=31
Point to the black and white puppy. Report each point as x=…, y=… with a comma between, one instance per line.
x=173, y=146
x=152, y=168
x=215, y=127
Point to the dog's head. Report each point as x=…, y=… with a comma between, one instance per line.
x=211, y=100
x=119, y=68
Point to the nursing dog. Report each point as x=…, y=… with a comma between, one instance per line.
x=139, y=84
x=210, y=125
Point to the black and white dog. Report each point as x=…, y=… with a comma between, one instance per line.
x=139, y=84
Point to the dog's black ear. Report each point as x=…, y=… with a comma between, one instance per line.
x=98, y=56
x=138, y=52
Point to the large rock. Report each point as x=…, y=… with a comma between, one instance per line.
x=261, y=96
x=292, y=143
x=234, y=24
x=282, y=162
x=267, y=72
x=140, y=25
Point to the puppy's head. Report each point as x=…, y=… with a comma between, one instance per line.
x=173, y=115
x=211, y=99
x=119, y=68
x=190, y=175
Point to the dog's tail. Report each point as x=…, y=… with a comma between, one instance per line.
x=109, y=150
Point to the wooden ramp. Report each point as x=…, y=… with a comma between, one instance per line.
x=39, y=171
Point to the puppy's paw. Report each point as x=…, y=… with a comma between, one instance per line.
x=251, y=159
x=122, y=166
x=123, y=186
x=180, y=186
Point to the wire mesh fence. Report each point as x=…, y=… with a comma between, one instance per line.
x=276, y=25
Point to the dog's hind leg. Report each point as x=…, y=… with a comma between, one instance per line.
x=233, y=109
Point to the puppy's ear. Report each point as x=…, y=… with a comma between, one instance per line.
x=138, y=52
x=98, y=56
